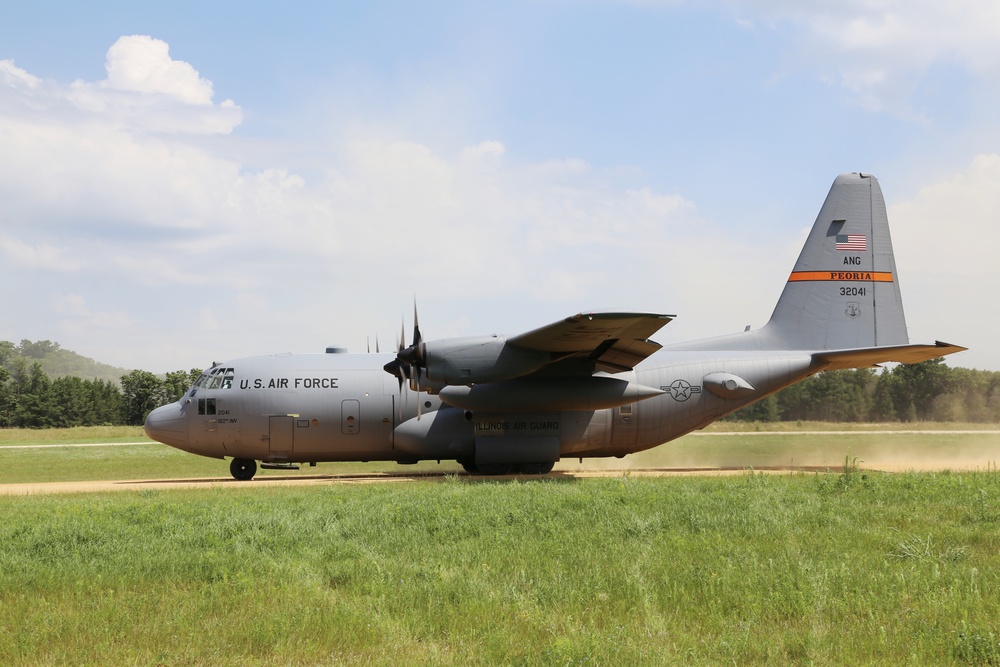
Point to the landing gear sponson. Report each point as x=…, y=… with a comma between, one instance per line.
x=245, y=469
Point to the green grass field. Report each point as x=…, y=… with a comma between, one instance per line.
x=829, y=569
x=852, y=567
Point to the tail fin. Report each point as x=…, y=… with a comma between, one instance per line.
x=841, y=302
x=843, y=292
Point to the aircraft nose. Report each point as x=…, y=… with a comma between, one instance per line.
x=169, y=425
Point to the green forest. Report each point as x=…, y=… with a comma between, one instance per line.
x=32, y=397
x=929, y=391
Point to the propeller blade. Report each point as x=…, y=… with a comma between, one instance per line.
x=415, y=355
x=417, y=338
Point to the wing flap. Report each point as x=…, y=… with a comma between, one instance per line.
x=624, y=355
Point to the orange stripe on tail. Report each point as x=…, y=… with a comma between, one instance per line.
x=841, y=276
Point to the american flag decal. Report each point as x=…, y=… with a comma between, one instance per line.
x=852, y=242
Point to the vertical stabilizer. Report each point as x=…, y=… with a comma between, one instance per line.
x=843, y=292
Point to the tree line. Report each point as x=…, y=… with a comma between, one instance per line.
x=30, y=399
x=928, y=391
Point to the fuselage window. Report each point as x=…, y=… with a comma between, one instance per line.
x=206, y=406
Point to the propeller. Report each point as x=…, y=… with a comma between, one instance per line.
x=409, y=359
x=416, y=354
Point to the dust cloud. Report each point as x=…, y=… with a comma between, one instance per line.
x=890, y=451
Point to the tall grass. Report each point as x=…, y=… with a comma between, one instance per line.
x=851, y=568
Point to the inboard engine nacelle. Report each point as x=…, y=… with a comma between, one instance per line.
x=478, y=359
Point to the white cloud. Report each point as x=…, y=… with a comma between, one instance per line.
x=145, y=90
x=77, y=319
x=945, y=240
x=91, y=182
x=958, y=214
x=880, y=51
x=142, y=64
x=13, y=76
x=484, y=150
x=39, y=256
x=215, y=259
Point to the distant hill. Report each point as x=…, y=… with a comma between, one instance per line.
x=57, y=362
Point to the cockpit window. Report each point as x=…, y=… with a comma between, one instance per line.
x=216, y=378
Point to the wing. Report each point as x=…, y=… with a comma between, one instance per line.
x=614, y=342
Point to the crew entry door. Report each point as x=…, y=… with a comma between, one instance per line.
x=282, y=434
x=350, y=423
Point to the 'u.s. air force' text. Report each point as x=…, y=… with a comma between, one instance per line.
x=289, y=383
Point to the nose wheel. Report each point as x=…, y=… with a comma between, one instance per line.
x=243, y=469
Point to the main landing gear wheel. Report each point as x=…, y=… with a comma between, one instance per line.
x=495, y=468
x=540, y=468
x=243, y=469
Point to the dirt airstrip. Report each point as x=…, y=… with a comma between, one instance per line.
x=567, y=469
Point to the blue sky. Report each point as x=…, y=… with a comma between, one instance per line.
x=183, y=184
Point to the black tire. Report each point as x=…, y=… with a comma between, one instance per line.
x=495, y=468
x=470, y=466
x=539, y=468
x=243, y=469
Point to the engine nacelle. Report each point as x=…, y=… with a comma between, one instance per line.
x=479, y=359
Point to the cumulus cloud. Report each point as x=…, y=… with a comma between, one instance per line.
x=880, y=51
x=145, y=90
x=166, y=235
x=13, y=76
x=142, y=64
x=104, y=178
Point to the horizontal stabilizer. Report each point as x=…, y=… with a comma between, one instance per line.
x=872, y=356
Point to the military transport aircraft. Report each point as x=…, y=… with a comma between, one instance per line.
x=590, y=385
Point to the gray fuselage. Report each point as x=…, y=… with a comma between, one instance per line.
x=345, y=407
